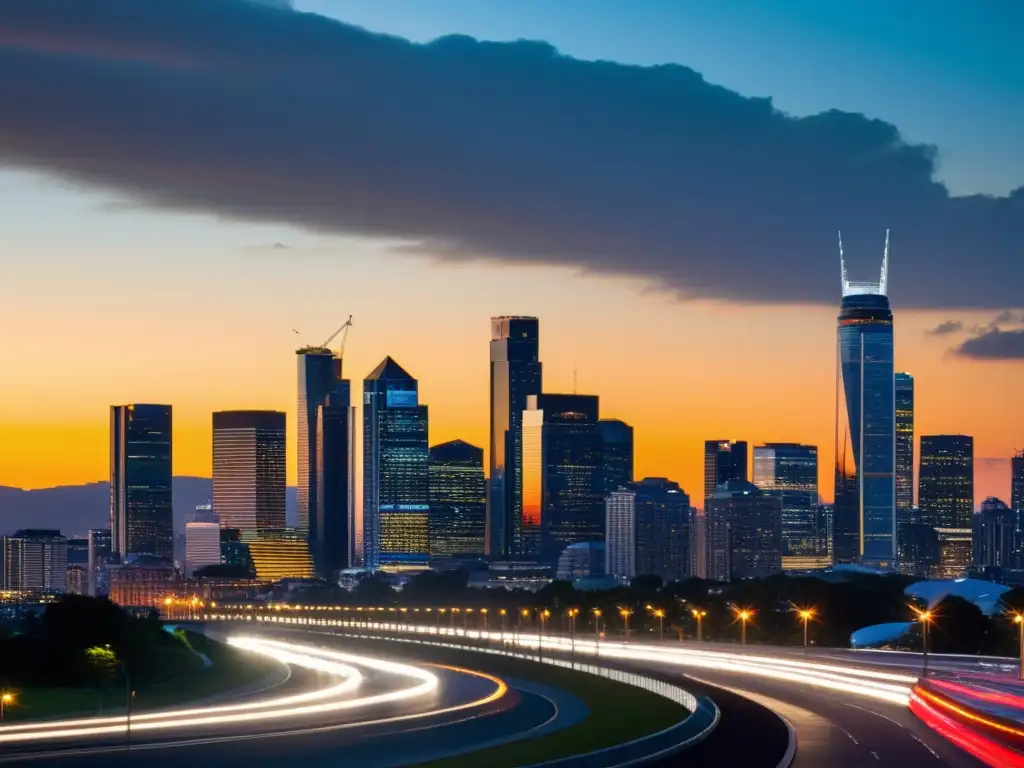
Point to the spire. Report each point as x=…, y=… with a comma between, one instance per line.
x=884, y=280
x=842, y=264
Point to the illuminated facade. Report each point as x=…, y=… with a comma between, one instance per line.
x=724, y=460
x=141, y=520
x=662, y=519
x=1017, y=503
x=282, y=556
x=34, y=561
x=249, y=471
x=946, y=481
x=864, y=522
x=904, y=448
x=458, y=500
x=99, y=560
x=202, y=546
x=146, y=584
x=515, y=375
x=319, y=370
x=789, y=472
x=616, y=454
x=994, y=537
x=562, y=483
x=744, y=532
x=620, y=534
x=396, y=474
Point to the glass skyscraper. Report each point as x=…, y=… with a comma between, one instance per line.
x=789, y=472
x=562, y=486
x=1017, y=503
x=332, y=536
x=724, y=460
x=396, y=475
x=904, y=449
x=616, y=454
x=945, y=490
x=319, y=370
x=249, y=471
x=458, y=500
x=141, y=521
x=515, y=375
x=865, y=480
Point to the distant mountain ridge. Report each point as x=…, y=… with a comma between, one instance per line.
x=74, y=509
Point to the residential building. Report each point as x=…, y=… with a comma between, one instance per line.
x=34, y=560
x=744, y=532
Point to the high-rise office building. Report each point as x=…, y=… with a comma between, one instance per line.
x=904, y=384
x=235, y=552
x=744, y=532
x=202, y=546
x=945, y=488
x=458, y=500
x=396, y=474
x=1017, y=504
x=616, y=454
x=919, y=550
x=562, y=484
x=99, y=560
x=319, y=371
x=648, y=531
x=34, y=561
x=203, y=513
x=78, y=552
x=789, y=472
x=141, y=521
x=994, y=537
x=724, y=460
x=698, y=543
x=332, y=536
x=865, y=479
x=249, y=471
x=515, y=375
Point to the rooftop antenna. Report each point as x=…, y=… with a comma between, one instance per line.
x=883, y=281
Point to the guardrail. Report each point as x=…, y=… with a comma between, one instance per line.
x=703, y=715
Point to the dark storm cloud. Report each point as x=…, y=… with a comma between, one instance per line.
x=946, y=328
x=994, y=344
x=475, y=150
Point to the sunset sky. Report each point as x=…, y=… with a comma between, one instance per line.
x=133, y=268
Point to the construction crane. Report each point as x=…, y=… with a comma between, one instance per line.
x=341, y=345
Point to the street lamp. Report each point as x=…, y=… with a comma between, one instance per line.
x=504, y=618
x=625, y=613
x=806, y=614
x=1018, y=619
x=660, y=614
x=699, y=615
x=744, y=616
x=5, y=698
x=925, y=617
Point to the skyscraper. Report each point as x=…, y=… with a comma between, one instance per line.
x=562, y=485
x=458, y=500
x=724, y=460
x=994, y=536
x=904, y=448
x=332, y=536
x=744, y=532
x=946, y=481
x=99, y=560
x=515, y=375
x=620, y=534
x=616, y=454
x=141, y=521
x=1017, y=503
x=319, y=370
x=34, y=561
x=865, y=484
x=249, y=471
x=789, y=472
x=202, y=546
x=396, y=475
x=648, y=531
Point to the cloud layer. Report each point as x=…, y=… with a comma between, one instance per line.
x=481, y=150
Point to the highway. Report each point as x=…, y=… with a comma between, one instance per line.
x=378, y=710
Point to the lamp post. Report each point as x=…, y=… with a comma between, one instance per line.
x=925, y=617
x=806, y=614
x=744, y=617
x=660, y=614
x=5, y=698
x=699, y=615
x=1018, y=619
x=504, y=619
x=597, y=631
x=625, y=613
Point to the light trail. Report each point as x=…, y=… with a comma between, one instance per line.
x=331, y=662
x=883, y=686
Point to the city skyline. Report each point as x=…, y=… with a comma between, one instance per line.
x=193, y=290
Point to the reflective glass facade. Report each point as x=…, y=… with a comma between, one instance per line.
x=396, y=477
x=946, y=483
x=1017, y=503
x=141, y=521
x=332, y=526
x=319, y=370
x=744, y=532
x=249, y=471
x=865, y=479
x=789, y=472
x=724, y=460
x=458, y=500
x=616, y=454
x=515, y=375
x=904, y=448
x=662, y=537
